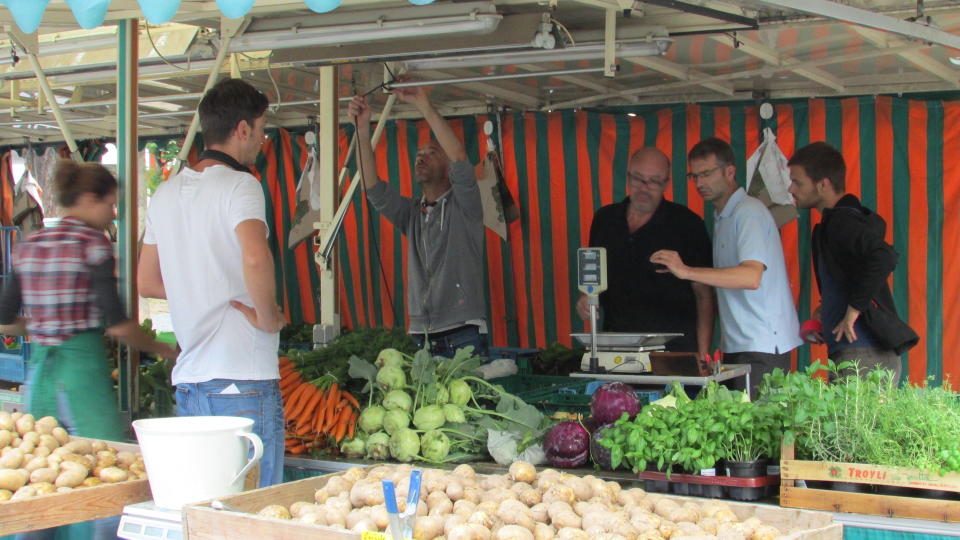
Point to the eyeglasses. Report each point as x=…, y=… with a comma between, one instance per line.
x=694, y=176
x=647, y=182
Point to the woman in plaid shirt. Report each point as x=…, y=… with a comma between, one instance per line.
x=64, y=281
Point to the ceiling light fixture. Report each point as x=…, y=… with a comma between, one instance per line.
x=654, y=47
x=474, y=23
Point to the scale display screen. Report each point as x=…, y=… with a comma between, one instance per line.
x=592, y=270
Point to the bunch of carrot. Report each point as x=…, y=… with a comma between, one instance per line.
x=316, y=411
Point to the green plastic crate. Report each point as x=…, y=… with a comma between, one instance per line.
x=549, y=393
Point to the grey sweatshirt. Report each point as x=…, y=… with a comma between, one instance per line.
x=444, y=251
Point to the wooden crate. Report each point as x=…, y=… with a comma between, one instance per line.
x=75, y=506
x=792, y=496
x=202, y=522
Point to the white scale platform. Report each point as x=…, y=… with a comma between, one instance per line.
x=147, y=521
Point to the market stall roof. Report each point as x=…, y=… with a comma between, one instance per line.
x=519, y=54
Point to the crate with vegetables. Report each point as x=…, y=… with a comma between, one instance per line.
x=521, y=503
x=49, y=478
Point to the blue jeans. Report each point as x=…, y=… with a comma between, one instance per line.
x=446, y=343
x=257, y=400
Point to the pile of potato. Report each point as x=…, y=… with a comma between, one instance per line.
x=520, y=505
x=38, y=457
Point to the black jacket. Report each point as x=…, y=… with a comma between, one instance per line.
x=850, y=237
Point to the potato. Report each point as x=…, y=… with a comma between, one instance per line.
x=364, y=525
x=6, y=437
x=36, y=463
x=79, y=447
x=451, y=521
x=26, y=492
x=41, y=451
x=529, y=496
x=111, y=475
x=439, y=504
x=44, y=488
x=125, y=459
x=472, y=494
x=71, y=476
x=98, y=446
x=12, y=479
x=356, y=515
x=27, y=446
x=581, y=489
x=521, y=471
x=464, y=508
x=513, y=532
x=539, y=512
x=275, y=511
x=90, y=481
x=559, y=492
x=5, y=495
x=514, y=512
x=482, y=518
x=464, y=471
x=7, y=423
x=24, y=425
x=428, y=528
x=454, y=489
x=569, y=533
x=311, y=518
x=12, y=458
x=60, y=435
x=297, y=508
x=46, y=474
x=542, y=531
x=494, y=481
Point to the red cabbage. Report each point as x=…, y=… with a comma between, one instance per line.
x=613, y=399
x=567, y=445
x=599, y=453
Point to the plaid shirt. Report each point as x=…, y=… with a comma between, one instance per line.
x=53, y=266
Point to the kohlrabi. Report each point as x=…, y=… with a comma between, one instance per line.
x=434, y=445
x=391, y=377
x=397, y=400
x=371, y=419
x=404, y=445
x=394, y=421
x=429, y=417
x=378, y=446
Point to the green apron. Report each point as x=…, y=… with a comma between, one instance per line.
x=71, y=382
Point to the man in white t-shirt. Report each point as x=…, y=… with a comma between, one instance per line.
x=205, y=250
x=757, y=315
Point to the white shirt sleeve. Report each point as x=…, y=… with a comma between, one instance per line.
x=247, y=202
x=753, y=235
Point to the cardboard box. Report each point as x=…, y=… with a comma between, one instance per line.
x=202, y=522
x=75, y=506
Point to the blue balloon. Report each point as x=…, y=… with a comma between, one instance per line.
x=159, y=11
x=323, y=6
x=421, y=2
x=27, y=13
x=89, y=13
x=234, y=9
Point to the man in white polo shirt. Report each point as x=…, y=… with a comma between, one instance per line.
x=757, y=315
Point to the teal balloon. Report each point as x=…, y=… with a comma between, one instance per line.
x=234, y=9
x=89, y=13
x=159, y=11
x=323, y=6
x=421, y=2
x=27, y=13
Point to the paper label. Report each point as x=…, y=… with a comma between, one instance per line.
x=376, y=536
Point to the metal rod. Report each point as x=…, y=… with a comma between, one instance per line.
x=52, y=98
x=211, y=80
x=502, y=76
x=326, y=247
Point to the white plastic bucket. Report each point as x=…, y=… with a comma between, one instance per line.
x=196, y=458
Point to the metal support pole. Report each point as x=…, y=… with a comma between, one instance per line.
x=128, y=171
x=229, y=28
x=329, y=187
x=29, y=44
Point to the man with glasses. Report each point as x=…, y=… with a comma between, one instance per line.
x=638, y=297
x=757, y=315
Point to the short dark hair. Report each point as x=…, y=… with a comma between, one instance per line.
x=72, y=179
x=820, y=160
x=225, y=105
x=712, y=146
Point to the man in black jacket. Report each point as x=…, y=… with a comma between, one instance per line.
x=852, y=262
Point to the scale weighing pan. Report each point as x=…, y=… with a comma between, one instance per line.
x=625, y=340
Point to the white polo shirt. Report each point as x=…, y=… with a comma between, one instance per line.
x=193, y=219
x=764, y=320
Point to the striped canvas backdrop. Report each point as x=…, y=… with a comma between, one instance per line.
x=560, y=167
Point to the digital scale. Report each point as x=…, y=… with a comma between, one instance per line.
x=611, y=351
x=147, y=521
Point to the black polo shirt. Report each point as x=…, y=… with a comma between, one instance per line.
x=638, y=298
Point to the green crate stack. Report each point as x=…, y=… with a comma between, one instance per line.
x=549, y=393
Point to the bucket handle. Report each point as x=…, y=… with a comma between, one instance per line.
x=257, y=454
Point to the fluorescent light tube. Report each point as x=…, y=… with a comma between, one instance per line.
x=375, y=31
x=655, y=47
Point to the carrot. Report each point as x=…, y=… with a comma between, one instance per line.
x=321, y=413
x=305, y=398
x=303, y=429
x=331, y=407
x=295, y=399
x=349, y=397
x=298, y=449
x=343, y=403
x=341, y=423
x=334, y=394
x=352, y=424
x=287, y=369
x=306, y=416
x=288, y=383
x=284, y=360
